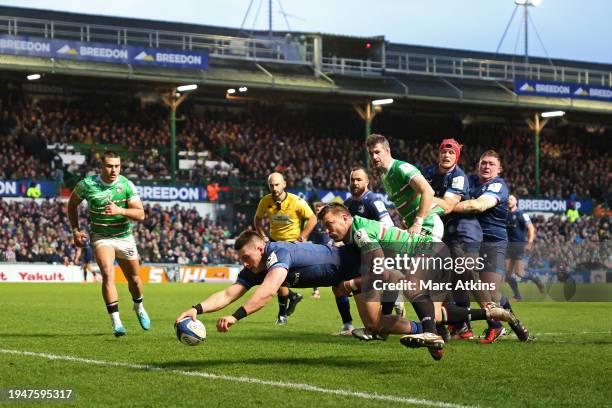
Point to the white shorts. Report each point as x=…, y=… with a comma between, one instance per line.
x=125, y=248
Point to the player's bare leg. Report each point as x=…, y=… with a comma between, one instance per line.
x=130, y=270
x=105, y=257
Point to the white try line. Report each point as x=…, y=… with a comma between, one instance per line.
x=249, y=380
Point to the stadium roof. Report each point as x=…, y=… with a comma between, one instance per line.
x=402, y=71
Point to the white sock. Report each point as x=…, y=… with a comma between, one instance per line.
x=138, y=306
x=115, y=319
x=347, y=326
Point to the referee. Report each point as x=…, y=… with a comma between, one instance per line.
x=286, y=214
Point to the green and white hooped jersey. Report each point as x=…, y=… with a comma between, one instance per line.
x=397, y=185
x=98, y=195
x=370, y=235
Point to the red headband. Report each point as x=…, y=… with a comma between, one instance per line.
x=451, y=144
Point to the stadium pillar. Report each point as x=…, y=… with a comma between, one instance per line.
x=537, y=125
x=173, y=100
x=536, y=143
x=367, y=115
x=173, y=142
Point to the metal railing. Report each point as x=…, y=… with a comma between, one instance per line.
x=348, y=66
x=245, y=48
x=465, y=68
x=492, y=69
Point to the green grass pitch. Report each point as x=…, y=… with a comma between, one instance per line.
x=568, y=365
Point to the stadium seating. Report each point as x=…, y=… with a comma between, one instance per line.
x=312, y=149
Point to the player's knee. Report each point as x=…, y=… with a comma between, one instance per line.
x=135, y=279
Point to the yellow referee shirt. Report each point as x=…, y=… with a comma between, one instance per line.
x=286, y=218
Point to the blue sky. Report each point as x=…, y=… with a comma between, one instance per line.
x=570, y=29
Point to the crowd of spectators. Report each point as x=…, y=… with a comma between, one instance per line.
x=32, y=231
x=584, y=243
x=314, y=149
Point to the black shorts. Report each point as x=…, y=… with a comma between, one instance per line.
x=516, y=251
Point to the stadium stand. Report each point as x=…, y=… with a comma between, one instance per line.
x=310, y=148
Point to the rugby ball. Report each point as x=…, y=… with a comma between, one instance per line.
x=190, y=332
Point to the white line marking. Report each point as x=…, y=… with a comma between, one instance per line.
x=571, y=334
x=249, y=380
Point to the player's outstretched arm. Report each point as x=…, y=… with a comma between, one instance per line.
x=448, y=202
x=266, y=291
x=216, y=301
x=478, y=205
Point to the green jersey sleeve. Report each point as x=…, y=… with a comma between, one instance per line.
x=80, y=190
x=365, y=233
x=131, y=192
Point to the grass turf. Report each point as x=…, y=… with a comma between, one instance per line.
x=558, y=369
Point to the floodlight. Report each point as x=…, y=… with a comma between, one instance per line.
x=552, y=114
x=185, y=88
x=378, y=102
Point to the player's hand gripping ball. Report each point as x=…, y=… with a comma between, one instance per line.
x=190, y=332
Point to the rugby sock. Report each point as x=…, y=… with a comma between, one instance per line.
x=113, y=311
x=292, y=294
x=454, y=314
x=344, y=308
x=462, y=299
x=514, y=285
x=505, y=303
x=478, y=314
x=282, y=305
x=387, y=307
x=138, y=304
x=425, y=310
x=112, y=307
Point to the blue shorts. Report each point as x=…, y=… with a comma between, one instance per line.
x=494, y=256
x=516, y=251
x=87, y=255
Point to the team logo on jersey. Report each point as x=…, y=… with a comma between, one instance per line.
x=119, y=190
x=458, y=182
x=361, y=209
x=361, y=237
x=279, y=218
x=272, y=259
x=495, y=187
